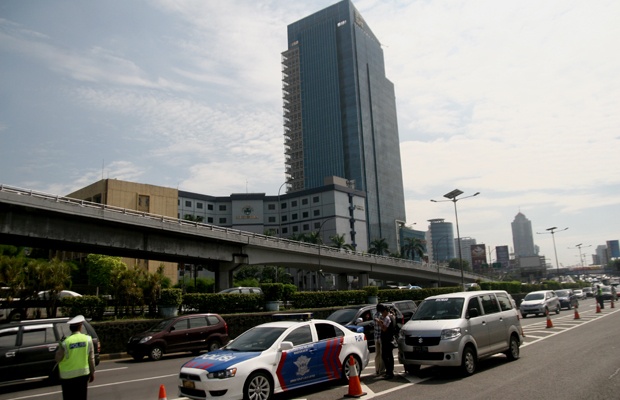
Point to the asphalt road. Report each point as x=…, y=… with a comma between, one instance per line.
x=575, y=359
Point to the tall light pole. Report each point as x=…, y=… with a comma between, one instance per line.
x=280, y=208
x=453, y=197
x=552, y=231
x=579, y=246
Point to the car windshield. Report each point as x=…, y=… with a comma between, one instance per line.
x=256, y=339
x=442, y=308
x=606, y=289
x=561, y=293
x=344, y=316
x=534, y=296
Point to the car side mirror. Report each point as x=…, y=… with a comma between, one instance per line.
x=284, y=346
x=358, y=321
x=172, y=328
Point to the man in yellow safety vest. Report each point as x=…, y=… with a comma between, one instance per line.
x=76, y=361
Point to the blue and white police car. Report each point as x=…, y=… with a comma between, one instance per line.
x=273, y=358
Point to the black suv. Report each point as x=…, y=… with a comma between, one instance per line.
x=360, y=319
x=191, y=332
x=27, y=347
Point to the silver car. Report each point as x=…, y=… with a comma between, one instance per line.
x=458, y=329
x=540, y=302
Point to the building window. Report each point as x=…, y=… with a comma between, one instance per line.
x=178, y=202
x=317, y=225
x=272, y=219
x=284, y=218
x=271, y=206
x=222, y=207
x=210, y=220
x=294, y=203
x=284, y=230
x=143, y=202
x=306, y=227
x=199, y=206
x=304, y=214
x=316, y=213
x=188, y=203
x=222, y=220
x=295, y=228
x=315, y=199
x=210, y=207
x=304, y=202
x=283, y=206
x=294, y=217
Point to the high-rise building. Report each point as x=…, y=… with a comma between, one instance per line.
x=340, y=114
x=522, y=236
x=440, y=243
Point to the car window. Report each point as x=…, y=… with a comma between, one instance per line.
x=299, y=336
x=489, y=304
x=197, y=322
x=473, y=305
x=180, y=325
x=328, y=331
x=534, y=296
x=441, y=308
x=38, y=336
x=504, y=301
x=8, y=337
x=256, y=339
x=213, y=320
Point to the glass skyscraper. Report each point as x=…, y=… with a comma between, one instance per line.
x=340, y=114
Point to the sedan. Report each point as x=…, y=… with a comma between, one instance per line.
x=608, y=293
x=580, y=294
x=273, y=358
x=540, y=302
x=568, y=298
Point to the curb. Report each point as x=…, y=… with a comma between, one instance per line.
x=113, y=356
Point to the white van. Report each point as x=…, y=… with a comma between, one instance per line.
x=458, y=329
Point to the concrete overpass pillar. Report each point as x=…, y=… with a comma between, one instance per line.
x=363, y=279
x=342, y=282
x=224, y=271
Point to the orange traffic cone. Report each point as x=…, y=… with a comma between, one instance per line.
x=549, y=323
x=598, y=307
x=577, y=313
x=355, y=387
x=162, y=393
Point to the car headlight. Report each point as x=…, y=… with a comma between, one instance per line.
x=450, y=333
x=146, y=339
x=228, y=373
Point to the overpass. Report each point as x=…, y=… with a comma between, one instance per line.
x=40, y=220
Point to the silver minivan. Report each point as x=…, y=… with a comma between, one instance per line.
x=458, y=329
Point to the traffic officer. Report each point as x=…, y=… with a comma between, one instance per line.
x=599, y=296
x=76, y=361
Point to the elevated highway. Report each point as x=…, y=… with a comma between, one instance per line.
x=36, y=219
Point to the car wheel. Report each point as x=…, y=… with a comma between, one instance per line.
x=258, y=387
x=468, y=363
x=523, y=315
x=346, y=368
x=412, y=369
x=137, y=357
x=513, y=351
x=557, y=309
x=156, y=353
x=213, y=345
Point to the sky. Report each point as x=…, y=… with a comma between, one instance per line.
x=517, y=100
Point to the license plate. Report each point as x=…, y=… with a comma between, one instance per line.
x=188, y=385
x=420, y=349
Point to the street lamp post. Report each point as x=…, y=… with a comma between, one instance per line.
x=552, y=231
x=453, y=197
x=320, y=243
x=579, y=246
x=280, y=208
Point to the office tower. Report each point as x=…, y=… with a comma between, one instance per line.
x=340, y=114
x=441, y=241
x=522, y=237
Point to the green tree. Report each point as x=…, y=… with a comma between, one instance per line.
x=455, y=263
x=339, y=242
x=413, y=247
x=378, y=247
x=101, y=270
x=193, y=218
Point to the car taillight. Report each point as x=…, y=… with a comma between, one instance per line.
x=226, y=327
x=99, y=346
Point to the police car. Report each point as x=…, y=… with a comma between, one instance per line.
x=275, y=357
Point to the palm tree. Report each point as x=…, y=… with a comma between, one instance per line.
x=338, y=242
x=314, y=237
x=378, y=246
x=414, y=247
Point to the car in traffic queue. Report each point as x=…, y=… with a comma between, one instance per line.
x=609, y=293
x=28, y=347
x=568, y=298
x=189, y=332
x=581, y=295
x=540, y=302
x=359, y=318
x=458, y=329
x=588, y=291
x=273, y=358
